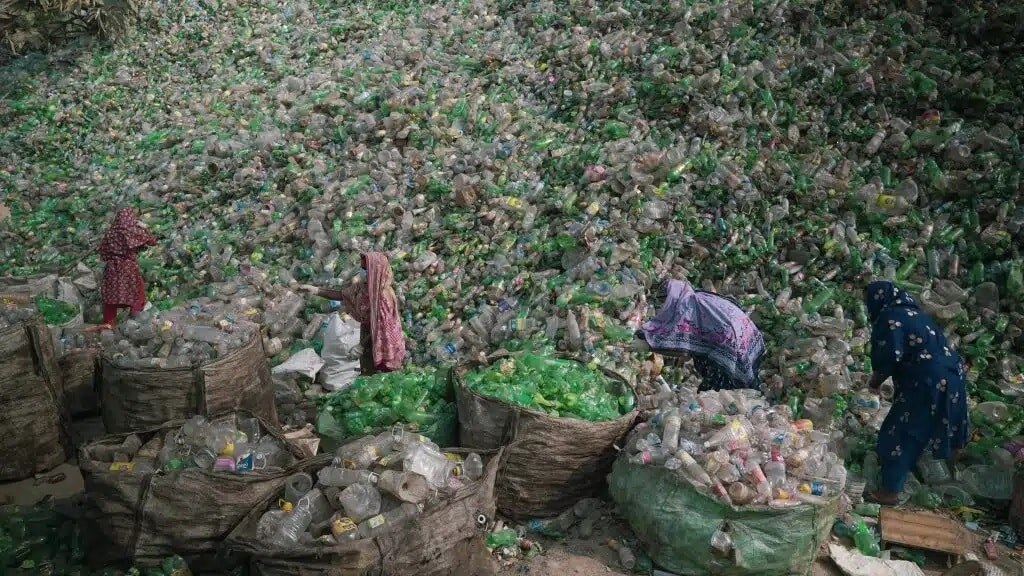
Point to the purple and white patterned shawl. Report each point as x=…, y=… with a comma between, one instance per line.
x=707, y=324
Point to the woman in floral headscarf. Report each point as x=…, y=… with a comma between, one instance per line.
x=929, y=407
x=123, y=286
x=373, y=303
x=723, y=341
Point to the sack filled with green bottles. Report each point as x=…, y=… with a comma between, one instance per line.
x=415, y=397
x=558, y=386
x=55, y=312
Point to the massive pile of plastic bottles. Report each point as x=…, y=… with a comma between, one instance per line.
x=548, y=158
x=372, y=485
x=558, y=386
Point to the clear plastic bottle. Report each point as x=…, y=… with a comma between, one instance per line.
x=740, y=493
x=382, y=523
x=654, y=456
x=373, y=451
x=672, y=422
x=775, y=472
x=270, y=523
x=429, y=463
x=204, y=334
x=870, y=470
x=296, y=486
x=988, y=481
x=693, y=469
x=933, y=472
x=473, y=467
x=732, y=436
x=342, y=477
x=360, y=501
x=295, y=523
x=405, y=486
x=759, y=479
x=343, y=528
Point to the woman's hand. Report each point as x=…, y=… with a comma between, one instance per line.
x=309, y=288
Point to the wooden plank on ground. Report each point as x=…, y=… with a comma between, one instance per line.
x=922, y=529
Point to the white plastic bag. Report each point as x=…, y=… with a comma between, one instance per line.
x=341, y=352
x=304, y=362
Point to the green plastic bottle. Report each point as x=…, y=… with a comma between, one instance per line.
x=865, y=539
x=502, y=539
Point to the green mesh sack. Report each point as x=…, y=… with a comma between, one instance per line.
x=675, y=522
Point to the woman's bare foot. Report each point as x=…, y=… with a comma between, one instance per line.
x=98, y=328
x=883, y=497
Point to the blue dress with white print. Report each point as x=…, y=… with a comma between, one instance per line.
x=929, y=409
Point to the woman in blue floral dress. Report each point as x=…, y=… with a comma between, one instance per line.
x=929, y=408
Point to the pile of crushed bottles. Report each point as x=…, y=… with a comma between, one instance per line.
x=372, y=485
x=233, y=444
x=738, y=449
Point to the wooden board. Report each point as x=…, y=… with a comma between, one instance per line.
x=920, y=529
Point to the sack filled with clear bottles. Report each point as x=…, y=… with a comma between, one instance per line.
x=206, y=358
x=708, y=480
x=373, y=487
x=33, y=435
x=180, y=488
x=735, y=447
x=197, y=333
x=238, y=444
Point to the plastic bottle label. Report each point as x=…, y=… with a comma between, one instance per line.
x=885, y=201
x=758, y=475
x=224, y=463
x=375, y=522
x=244, y=463
x=343, y=525
x=122, y=466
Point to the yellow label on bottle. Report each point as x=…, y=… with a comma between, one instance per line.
x=342, y=525
x=284, y=505
x=376, y=522
x=885, y=200
x=122, y=466
x=453, y=457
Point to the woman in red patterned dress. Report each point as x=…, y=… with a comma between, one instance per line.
x=373, y=303
x=123, y=286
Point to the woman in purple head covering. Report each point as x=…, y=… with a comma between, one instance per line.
x=723, y=341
